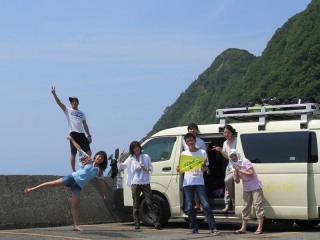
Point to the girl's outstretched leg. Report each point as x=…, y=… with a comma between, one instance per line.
x=55, y=183
x=75, y=209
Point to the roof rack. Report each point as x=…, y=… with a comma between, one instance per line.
x=275, y=112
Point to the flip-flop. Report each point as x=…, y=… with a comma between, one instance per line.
x=258, y=232
x=239, y=232
x=77, y=228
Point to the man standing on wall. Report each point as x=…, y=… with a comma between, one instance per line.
x=77, y=125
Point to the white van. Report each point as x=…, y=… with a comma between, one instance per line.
x=282, y=143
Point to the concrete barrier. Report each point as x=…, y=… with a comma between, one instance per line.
x=52, y=207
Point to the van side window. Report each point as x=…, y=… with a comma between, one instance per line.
x=159, y=149
x=285, y=147
x=313, y=158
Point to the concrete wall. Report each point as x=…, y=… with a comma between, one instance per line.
x=52, y=207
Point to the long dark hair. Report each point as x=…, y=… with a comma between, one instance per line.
x=230, y=128
x=103, y=165
x=133, y=145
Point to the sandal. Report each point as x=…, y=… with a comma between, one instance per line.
x=257, y=232
x=77, y=228
x=226, y=209
x=239, y=232
x=215, y=233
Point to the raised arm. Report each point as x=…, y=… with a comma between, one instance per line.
x=53, y=91
x=75, y=144
x=219, y=149
x=122, y=165
x=122, y=154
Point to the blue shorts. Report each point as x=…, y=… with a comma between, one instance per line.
x=69, y=181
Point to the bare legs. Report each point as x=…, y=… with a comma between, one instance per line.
x=243, y=228
x=75, y=210
x=260, y=224
x=244, y=225
x=75, y=199
x=55, y=183
x=73, y=162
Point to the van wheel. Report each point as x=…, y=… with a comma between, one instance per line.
x=307, y=224
x=277, y=224
x=162, y=208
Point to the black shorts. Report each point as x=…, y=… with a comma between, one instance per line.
x=82, y=140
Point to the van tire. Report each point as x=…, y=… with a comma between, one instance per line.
x=277, y=224
x=162, y=208
x=307, y=224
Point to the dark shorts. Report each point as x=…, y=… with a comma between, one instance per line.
x=69, y=181
x=82, y=140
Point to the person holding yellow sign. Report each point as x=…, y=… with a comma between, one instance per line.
x=200, y=144
x=193, y=162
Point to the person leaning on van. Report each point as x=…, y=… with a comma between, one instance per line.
x=230, y=142
x=252, y=190
x=139, y=166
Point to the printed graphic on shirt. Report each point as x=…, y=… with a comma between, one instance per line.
x=77, y=114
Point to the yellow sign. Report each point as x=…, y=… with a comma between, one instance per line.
x=188, y=163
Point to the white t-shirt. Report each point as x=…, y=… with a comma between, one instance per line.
x=75, y=118
x=200, y=144
x=226, y=148
x=194, y=177
x=135, y=174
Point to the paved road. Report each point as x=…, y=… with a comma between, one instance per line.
x=176, y=231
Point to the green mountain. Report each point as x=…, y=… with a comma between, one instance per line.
x=289, y=66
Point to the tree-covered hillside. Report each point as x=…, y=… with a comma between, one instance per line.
x=289, y=66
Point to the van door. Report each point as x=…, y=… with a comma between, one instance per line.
x=162, y=154
x=281, y=161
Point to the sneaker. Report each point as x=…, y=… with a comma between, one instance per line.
x=136, y=226
x=158, y=226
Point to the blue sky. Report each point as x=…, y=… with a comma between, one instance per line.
x=125, y=60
